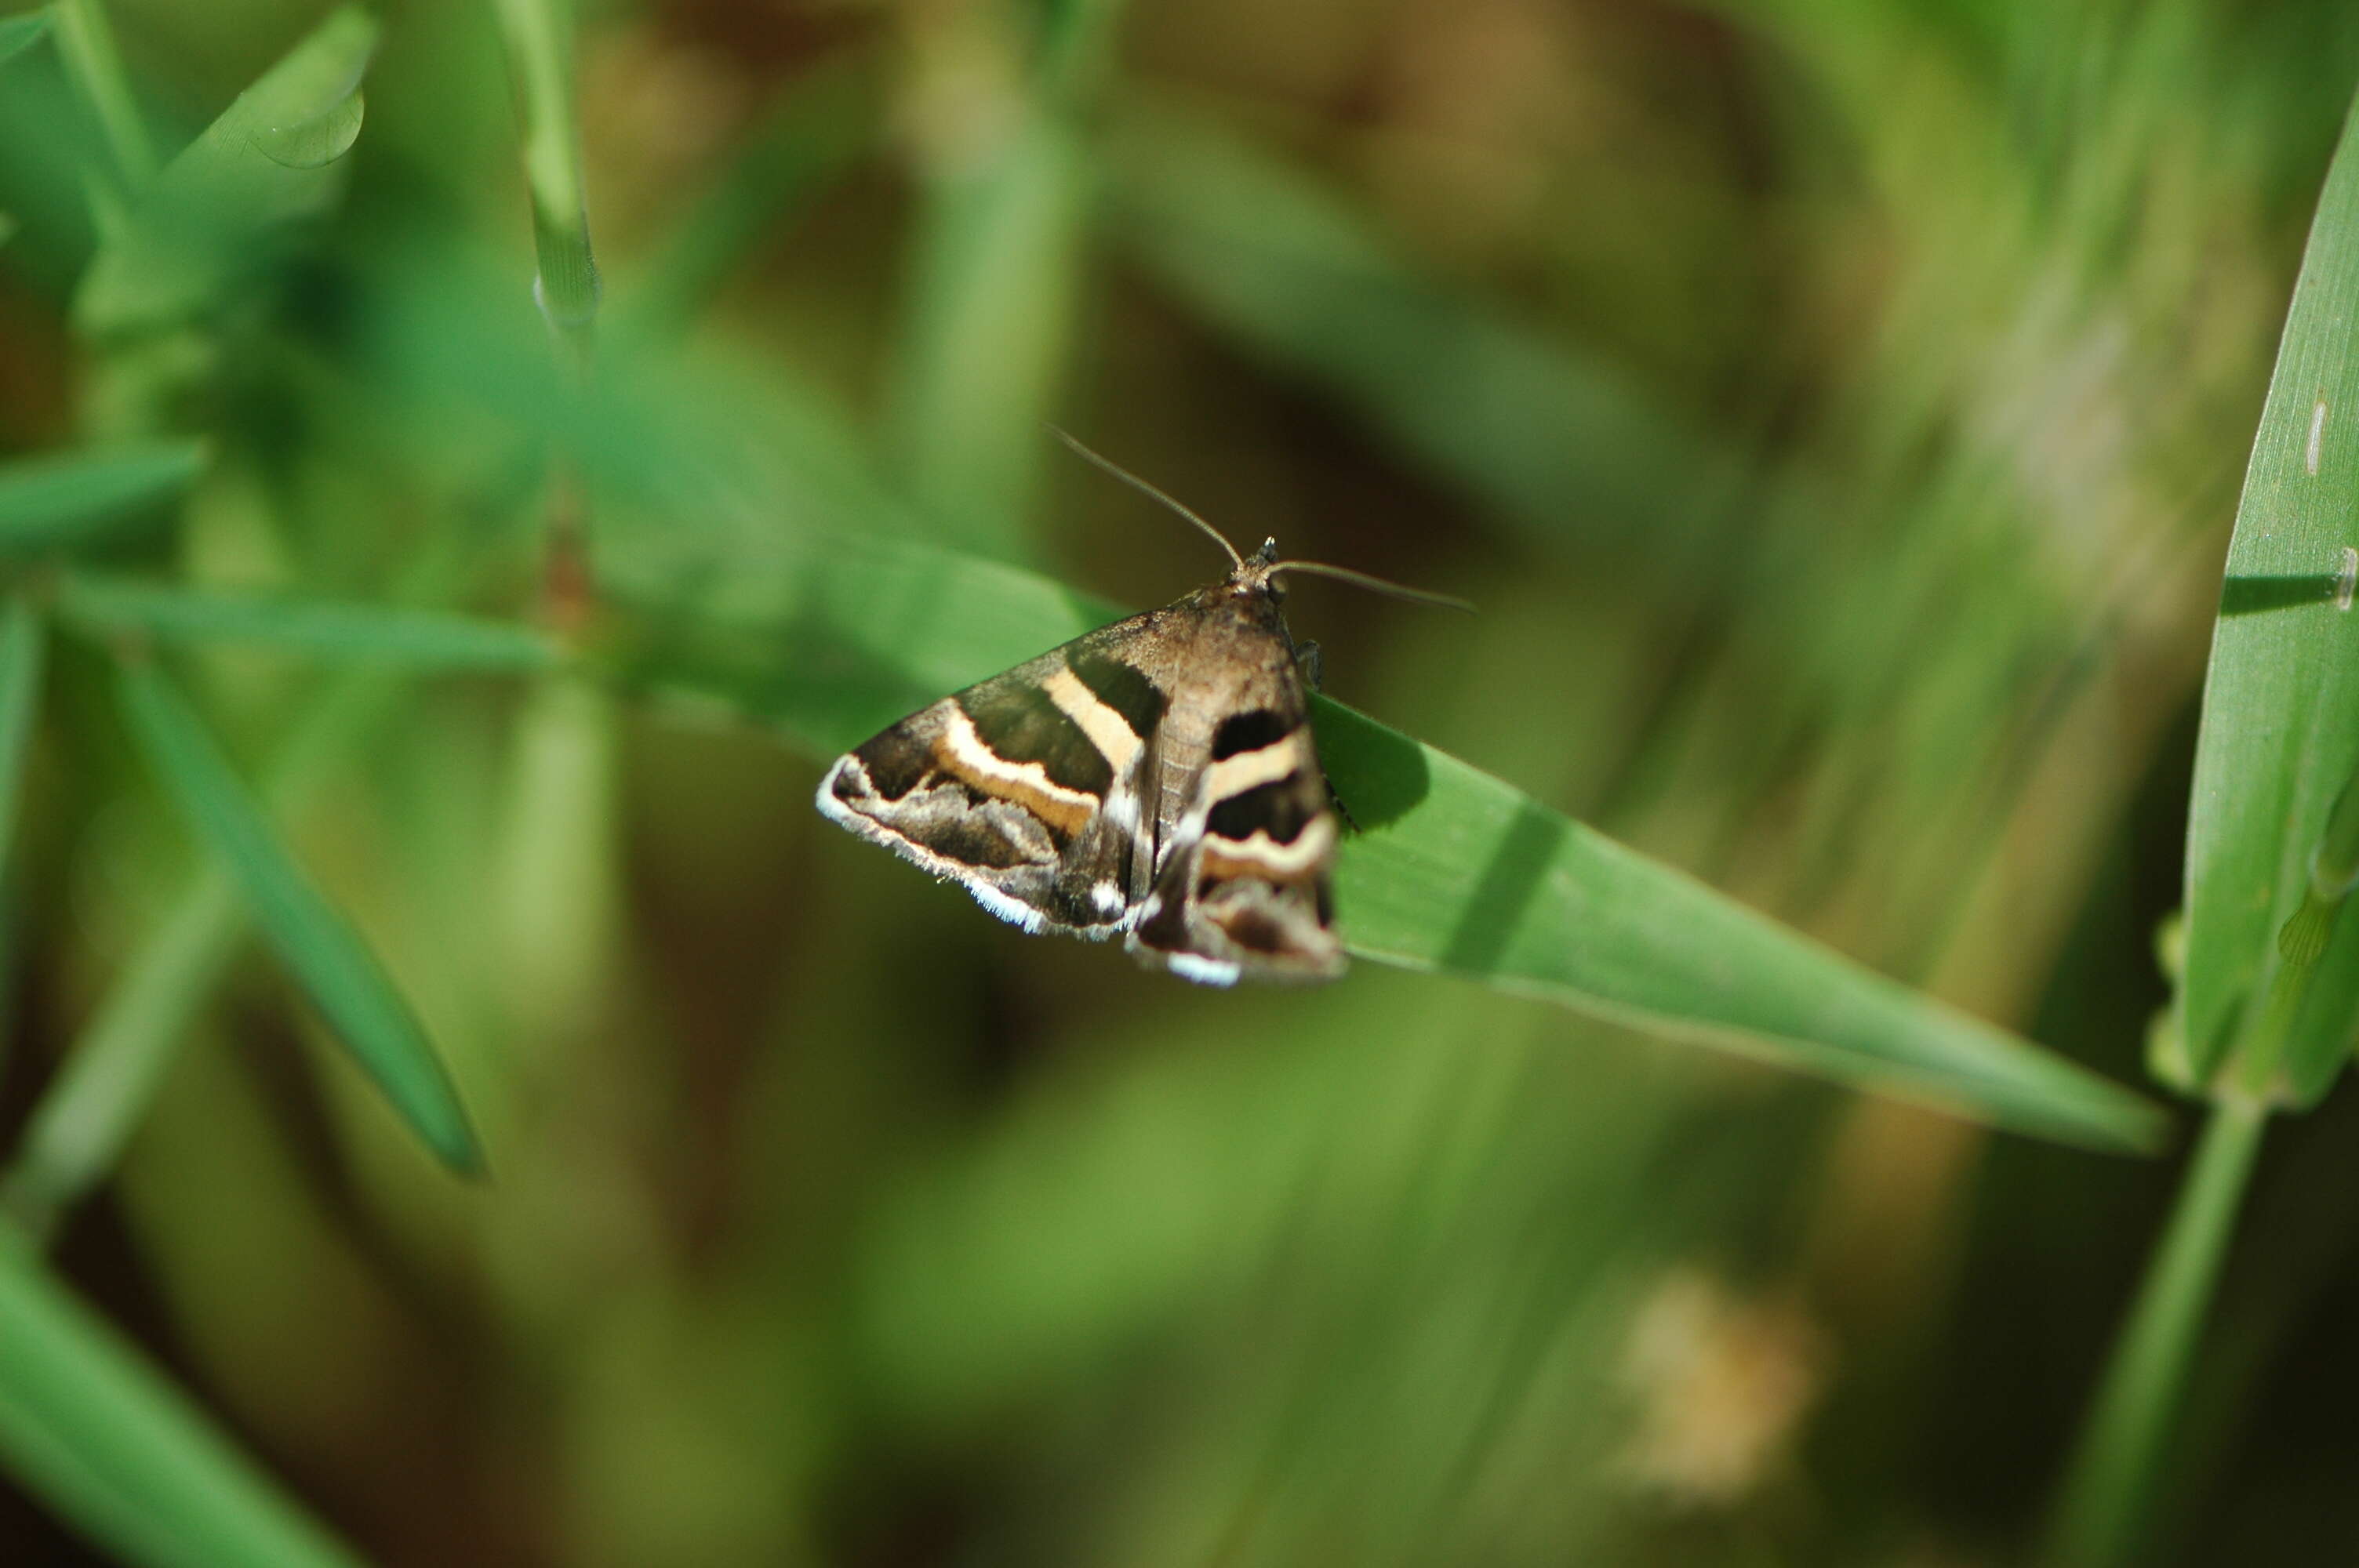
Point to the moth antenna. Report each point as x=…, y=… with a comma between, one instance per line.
x=1135, y=482
x=1376, y=584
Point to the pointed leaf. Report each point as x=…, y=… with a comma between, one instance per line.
x=91, y=1428
x=1455, y=872
x=270, y=158
x=67, y=498
x=20, y=33
x=2280, y=731
x=316, y=943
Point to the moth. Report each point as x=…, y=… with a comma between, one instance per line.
x=1154, y=779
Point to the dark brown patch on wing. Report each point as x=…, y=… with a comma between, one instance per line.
x=1281, y=808
x=1249, y=731
x=1021, y=723
x=1121, y=687
x=897, y=761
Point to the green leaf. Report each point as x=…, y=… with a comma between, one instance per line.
x=270, y=158
x=2279, y=742
x=69, y=498
x=538, y=36
x=90, y=1426
x=1455, y=872
x=119, y=1061
x=313, y=939
x=418, y=637
x=2107, y=1502
x=18, y=33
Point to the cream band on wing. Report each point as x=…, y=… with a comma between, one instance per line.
x=1108, y=731
x=1262, y=856
x=960, y=751
x=1249, y=770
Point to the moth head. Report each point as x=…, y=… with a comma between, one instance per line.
x=1257, y=573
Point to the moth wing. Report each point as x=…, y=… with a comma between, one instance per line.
x=1023, y=788
x=1242, y=879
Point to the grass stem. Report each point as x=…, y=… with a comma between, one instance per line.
x=2103, y=1508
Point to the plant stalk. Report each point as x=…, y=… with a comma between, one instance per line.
x=2104, y=1505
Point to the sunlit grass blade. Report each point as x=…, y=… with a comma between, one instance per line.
x=69, y=498
x=422, y=638
x=2280, y=743
x=1560, y=446
x=1459, y=873
x=270, y=158
x=85, y=41
x=316, y=943
x=20, y=33
x=92, y=1429
x=1455, y=872
x=538, y=34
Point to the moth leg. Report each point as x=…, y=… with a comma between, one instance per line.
x=1309, y=660
x=1351, y=823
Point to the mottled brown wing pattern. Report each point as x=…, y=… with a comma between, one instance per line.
x=1154, y=779
x=1004, y=787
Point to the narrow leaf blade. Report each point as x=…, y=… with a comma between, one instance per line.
x=316, y=943
x=70, y=498
x=271, y=158
x=91, y=1427
x=20, y=33
x=2280, y=727
x=1456, y=872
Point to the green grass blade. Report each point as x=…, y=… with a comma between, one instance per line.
x=1555, y=444
x=421, y=638
x=91, y=1427
x=272, y=157
x=69, y=498
x=23, y=637
x=119, y=1058
x=86, y=42
x=18, y=33
x=81, y=1124
x=2280, y=727
x=1455, y=872
x=538, y=36
x=2106, y=1496
x=319, y=948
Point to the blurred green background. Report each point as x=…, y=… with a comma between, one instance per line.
x=1837, y=408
